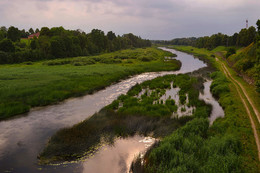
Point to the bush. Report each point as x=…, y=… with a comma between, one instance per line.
x=5, y=58
x=230, y=51
x=213, y=56
x=6, y=45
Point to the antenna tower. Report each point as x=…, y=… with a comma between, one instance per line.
x=246, y=23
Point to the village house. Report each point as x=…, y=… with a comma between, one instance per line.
x=34, y=35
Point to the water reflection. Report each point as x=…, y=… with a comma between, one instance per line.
x=117, y=158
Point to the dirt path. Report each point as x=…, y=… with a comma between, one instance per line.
x=239, y=87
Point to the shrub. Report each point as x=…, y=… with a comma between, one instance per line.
x=230, y=51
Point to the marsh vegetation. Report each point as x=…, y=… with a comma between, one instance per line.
x=130, y=114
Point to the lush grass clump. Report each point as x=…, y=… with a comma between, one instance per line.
x=220, y=85
x=130, y=114
x=27, y=85
x=191, y=149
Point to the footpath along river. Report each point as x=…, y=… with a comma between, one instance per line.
x=23, y=137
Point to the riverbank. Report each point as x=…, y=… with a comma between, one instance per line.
x=236, y=121
x=27, y=85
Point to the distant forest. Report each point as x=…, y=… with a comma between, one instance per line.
x=241, y=39
x=57, y=42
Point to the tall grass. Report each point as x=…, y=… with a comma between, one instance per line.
x=190, y=149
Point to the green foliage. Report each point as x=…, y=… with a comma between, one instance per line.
x=6, y=45
x=2, y=35
x=220, y=85
x=189, y=149
x=246, y=61
x=60, y=43
x=31, y=31
x=230, y=51
x=244, y=38
x=33, y=44
x=13, y=34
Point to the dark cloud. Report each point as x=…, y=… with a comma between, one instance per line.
x=152, y=19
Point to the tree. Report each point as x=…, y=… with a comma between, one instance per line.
x=58, y=48
x=111, y=36
x=251, y=34
x=258, y=26
x=99, y=39
x=3, y=32
x=24, y=34
x=13, y=34
x=44, y=45
x=37, y=30
x=3, y=28
x=45, y=31
x=31, y=31
x=34, y=44
x=2, y=35
x=6, y=45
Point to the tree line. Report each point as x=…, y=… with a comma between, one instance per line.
x=58, y=42
x=243, y=38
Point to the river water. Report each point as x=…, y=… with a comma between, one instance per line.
x=23, y=137
x=217, y=110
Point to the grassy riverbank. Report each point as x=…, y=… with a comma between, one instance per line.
x=229, y=144
x=26, y=85
x=143, y=110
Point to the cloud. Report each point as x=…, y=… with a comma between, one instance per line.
x=152, y=19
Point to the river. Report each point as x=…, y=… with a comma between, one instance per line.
x=22, y=138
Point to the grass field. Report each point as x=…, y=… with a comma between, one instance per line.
x=27, y=85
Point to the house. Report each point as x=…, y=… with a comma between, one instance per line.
x=34, y=35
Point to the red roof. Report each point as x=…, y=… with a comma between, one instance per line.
x=34, y=35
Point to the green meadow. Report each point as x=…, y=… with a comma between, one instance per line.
x=30, y=84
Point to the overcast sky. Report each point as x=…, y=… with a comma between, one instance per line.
x=152, y=19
